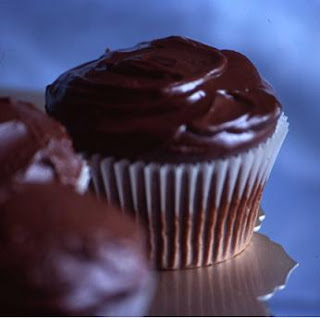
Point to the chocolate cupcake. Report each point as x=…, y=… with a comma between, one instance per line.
x=68, y=254
x=36, y=148
x=180, y=134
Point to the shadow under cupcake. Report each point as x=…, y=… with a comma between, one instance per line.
x=179, y=134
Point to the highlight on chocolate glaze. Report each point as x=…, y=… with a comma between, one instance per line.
x=165, y=100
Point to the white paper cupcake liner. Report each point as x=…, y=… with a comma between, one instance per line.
x=195, y=214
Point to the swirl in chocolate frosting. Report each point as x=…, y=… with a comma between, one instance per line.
x=171, y=99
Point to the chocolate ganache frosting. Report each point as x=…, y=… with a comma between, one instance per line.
x=34, y=147
x=171, y=99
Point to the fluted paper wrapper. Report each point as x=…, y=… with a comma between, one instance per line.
x=195, y=214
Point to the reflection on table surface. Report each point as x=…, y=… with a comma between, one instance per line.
x=235, y=287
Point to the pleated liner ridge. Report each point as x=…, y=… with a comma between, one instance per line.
x=195, y=214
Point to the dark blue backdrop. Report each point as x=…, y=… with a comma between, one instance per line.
x=41, y=39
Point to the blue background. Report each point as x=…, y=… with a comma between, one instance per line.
x=41, y=39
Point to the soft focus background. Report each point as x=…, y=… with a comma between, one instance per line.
x=41, y=39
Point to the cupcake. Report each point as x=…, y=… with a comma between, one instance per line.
x=179, y=134
x=65, y=254
x=36, y=148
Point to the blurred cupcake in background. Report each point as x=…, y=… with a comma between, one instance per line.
x=35, y=148
x=179, y=134
x=65, y=254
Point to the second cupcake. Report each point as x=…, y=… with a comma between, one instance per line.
x=181, y=135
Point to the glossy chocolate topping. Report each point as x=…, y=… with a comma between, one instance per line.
x=33, y=147
x=66, y=254
x=171, y=99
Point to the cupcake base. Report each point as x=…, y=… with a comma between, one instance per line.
x=195, y=214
